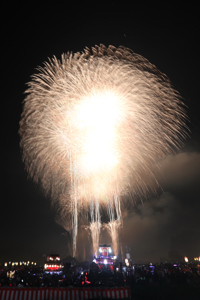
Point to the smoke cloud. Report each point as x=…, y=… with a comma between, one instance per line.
x=167, y=227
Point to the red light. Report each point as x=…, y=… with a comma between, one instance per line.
x=53, y=267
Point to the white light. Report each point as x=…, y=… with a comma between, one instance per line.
x=99, y=148
x=94, y=260
x=105, y=262
x=110, y=250
x=100, y=250
x=126, y=262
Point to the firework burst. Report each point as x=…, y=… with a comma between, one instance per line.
x=93, y=125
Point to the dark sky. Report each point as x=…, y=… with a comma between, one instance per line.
x=166, y=226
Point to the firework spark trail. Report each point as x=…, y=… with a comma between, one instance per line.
x=113, y=228
x=115, y=223
x=95, y=224
x=94, y=123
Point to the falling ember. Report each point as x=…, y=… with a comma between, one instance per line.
x=92, y=127
x=94, y=229
x=113, y=229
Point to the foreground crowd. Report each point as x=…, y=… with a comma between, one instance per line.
x=164, y=275
x=91, y=275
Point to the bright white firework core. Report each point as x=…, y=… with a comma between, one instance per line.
x=98, y=116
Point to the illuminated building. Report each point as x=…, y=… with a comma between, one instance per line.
x=53, y=264
x=105, y=257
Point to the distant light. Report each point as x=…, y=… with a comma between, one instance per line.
x=115, y=257
x=6, y=264
x=126, y=262
x=105, y=262
x=100, y=250
x=110, y=250
x=152, y=267
x=186, y=259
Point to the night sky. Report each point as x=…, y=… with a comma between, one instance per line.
x=166, y=226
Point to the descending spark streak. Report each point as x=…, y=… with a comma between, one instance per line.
x=113, y=229
x=74, y=223
x=94, y=123
x=95, y=224
x=114, y=225
x=95, y=228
